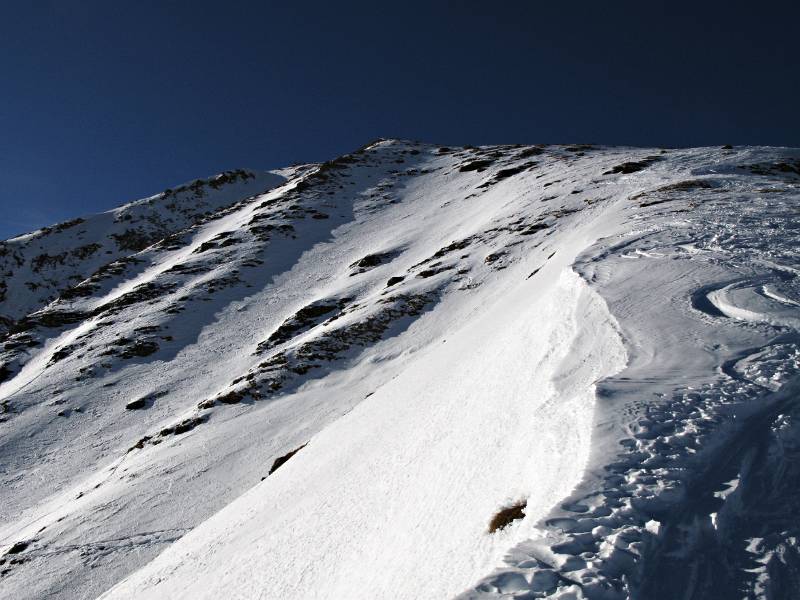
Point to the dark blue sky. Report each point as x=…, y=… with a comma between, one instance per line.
x=104, y=102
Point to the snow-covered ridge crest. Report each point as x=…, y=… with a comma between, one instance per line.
x=421, y=371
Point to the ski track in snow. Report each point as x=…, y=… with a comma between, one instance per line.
x=423, y=337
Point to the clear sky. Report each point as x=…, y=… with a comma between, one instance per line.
x=102, y=102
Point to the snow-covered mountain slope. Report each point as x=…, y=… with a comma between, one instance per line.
x=37, y=267
x=422, y=372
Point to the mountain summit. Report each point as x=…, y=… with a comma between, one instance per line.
x=413, y=372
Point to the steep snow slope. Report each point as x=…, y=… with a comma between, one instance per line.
x=420, y=337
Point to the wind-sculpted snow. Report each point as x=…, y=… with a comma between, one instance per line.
x=507, y=371
x=705, y=288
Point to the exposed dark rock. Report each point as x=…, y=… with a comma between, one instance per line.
x=204, y=247
x=68, y=224
x=136, y=404
x=5, y=373
x=424, y=274
x=494, y=257
x=510, y=171
x=233, y=397
x=532, y=151
x=792, y=168
x=189, y=424
x=690, y=184
x=508, y=515
x=476, y=165
x=139, y=348
x=531, y=229
x=457, y=245
x=303, y=320
x=141, y=293
x=46, y=260
x=394, y=280
x=372, y=260
x=84, y=252
x=681, y=186
x=62, y=353
x=134, y=240
x=184, y=426
x=18, y=547
x=273, y=374
x=82, y=290
x=534, y=272
x=632, y=166
x=281, y=460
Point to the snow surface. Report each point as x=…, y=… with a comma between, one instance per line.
x=427, y=336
